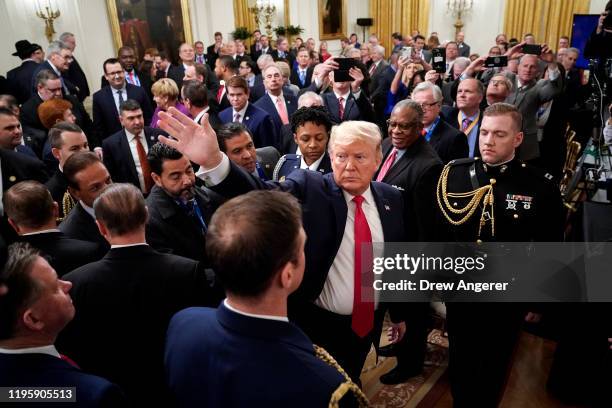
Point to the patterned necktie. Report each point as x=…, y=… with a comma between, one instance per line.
x=302, y=74
x=465, y=124
x=340, y=108
x=144, y=165
x=372, y=69
x=387, y=165
x=237, y=117
x=282, y=111
x=121, y=100
x=362, y=320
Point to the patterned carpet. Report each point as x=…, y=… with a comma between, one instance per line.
x=408, y=394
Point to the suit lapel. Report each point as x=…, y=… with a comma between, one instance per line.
x=124, y=146
x=350, y=103
x=384, y=210
x=340, y=209
x=333, y=107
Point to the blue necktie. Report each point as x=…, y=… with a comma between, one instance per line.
x=302, y=75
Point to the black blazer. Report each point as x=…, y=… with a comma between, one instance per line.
x=76, y=75
x=105, y=115
x=176, y=73
x=72, y=89
x=145, y=82
x=450, y=116
x=43, y=370
x=448, y=142
x=118, y=156
x=287, y=142
x=58, y=186
x=20, y=79
x=355, y=109
x=416, y=175
x=124, y=303
x=18, y=167
x=170, y=229
x=295, y=77
x=64, y=254
x=80, y=225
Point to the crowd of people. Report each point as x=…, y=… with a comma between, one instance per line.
x=201, y=239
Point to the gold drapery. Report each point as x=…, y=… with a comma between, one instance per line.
x=403, y=16
x=547, y=20
x=243, y=17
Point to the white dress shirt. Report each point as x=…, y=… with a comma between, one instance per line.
x=41, y=232
x=131, y=138
x=257, y=316
x=314, y=166
x=116, y=95
x=88, y=209
x=50, y=350
x=199, y=115
x=337, y=293
x=242, y=113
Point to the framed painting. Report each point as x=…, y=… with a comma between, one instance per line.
x=332, y=19
x=142, y=24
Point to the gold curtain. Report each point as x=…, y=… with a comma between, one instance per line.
x=546, y=19
x=402, y=16
x=243, y=17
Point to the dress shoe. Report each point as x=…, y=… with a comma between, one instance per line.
x=399, y=375
x=389, y=350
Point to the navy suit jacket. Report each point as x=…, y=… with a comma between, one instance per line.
x=219, y=358
x=295, y=77
x=43, y=370
x=20, y=79
x=118, y=156
x=449, y=142
x=72, y=89
x=324, y=213
x=105, y=114
x=450, y=116
x=354, y=109
x=265, y=103
x=258, y=122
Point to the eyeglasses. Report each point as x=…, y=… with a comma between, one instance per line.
x=401, y=126
x=497, y=82
x=426, y=106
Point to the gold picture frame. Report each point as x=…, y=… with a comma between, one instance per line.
x=142, y=24
x=332, y=19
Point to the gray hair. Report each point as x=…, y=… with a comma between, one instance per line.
x=65, y=36
x=264, y=59
x=56, y=47
x=354, y=52
x=428, y=86
x=505, y=79
x=574, y=50
x=356, y=130
x=310, y=96
x=410, y=104
x=465, y=61
x=379, y=49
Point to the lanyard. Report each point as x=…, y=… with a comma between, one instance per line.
x=432, y=128
x=469, y=128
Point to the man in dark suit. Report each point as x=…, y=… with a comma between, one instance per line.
x=179, y=211
x=376, y=70
x=65, y=139
x=58, y=61
x=49, y=86
x=278, y=104
x=467, y=116
x=282, y=53
x=329, y=304
x=247, y=353
x=126, y=299
x=256, y=46
x=195, y=98
x=11, y=134
x=255, y=119
x=236, y=141
x=20, y=78
x=212, y=51
x=165, y=68
x=348, y=101
x=107, y=101
x=225, y=69
x=265, y=47
x=86, y=177
x=302, y=74
x=310, y=127
x=32, y=212
x=464, y=49
x=447, y=141
x=412, y=166
x=30, y=320
x=75, y=73
x=125, y=152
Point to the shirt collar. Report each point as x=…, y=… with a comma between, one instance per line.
x=314, y=166
x=130, y=136
x=256, y=316
x=129, y=245
x=88, y=209
x=54, y=68
x=199, y=115
x=274, y=98
x=48, y=231
x=242, y=112
x=49, y=350
x=345, y=96
x=367, y=195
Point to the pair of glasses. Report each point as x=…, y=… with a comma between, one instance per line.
x=401, y=126
x=426, y=106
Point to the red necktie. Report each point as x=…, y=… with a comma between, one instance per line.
x=363, y=294
x=387, y=165
x=132, y=77
x=220, y=92
x=144, y=166
x=340, y=108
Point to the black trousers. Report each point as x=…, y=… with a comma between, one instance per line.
x=411, y=349
x=333, y=332
x=482, y=338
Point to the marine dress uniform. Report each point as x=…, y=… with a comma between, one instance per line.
x=510, y=202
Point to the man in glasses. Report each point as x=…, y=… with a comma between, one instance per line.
x=412, y=166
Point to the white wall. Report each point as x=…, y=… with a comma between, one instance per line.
x=481, y=24
x=597, y=6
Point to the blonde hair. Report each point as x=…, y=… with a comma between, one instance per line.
x=356, y=130
x=166, y=87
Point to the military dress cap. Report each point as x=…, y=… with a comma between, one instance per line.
x=25, y=48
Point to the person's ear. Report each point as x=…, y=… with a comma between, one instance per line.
x=103, y=230
x=156, y=178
